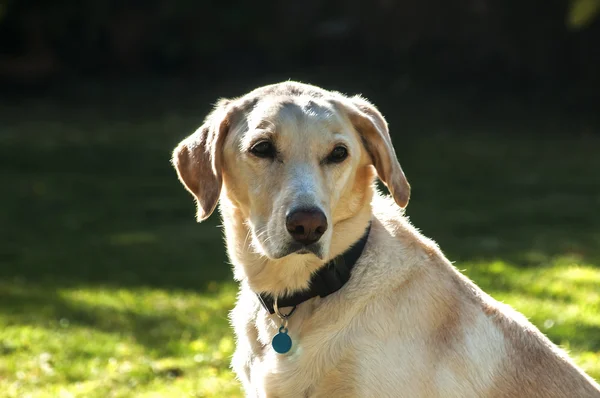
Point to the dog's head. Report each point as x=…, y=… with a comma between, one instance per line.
x=295, y=160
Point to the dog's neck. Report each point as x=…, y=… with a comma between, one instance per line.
x=289, y=274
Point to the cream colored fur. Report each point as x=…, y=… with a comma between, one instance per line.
x=407, y=324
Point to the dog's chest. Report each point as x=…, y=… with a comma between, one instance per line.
x=298, y=373
x=344, y=363
x=320, y=345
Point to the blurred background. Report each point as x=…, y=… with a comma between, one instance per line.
x=108, y=287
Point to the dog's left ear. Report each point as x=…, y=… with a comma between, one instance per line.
x=198, y=158
x=373, y=128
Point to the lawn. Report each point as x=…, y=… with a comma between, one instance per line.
x=108, y=287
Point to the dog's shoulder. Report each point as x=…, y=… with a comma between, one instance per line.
x=396, y=248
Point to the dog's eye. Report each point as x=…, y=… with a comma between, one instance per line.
x=263, y=149
x=338, y=155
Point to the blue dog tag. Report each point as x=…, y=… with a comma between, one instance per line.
x=282, y=342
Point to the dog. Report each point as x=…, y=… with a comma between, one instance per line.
x=340, y=296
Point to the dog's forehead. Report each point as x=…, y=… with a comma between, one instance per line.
x=281, y=112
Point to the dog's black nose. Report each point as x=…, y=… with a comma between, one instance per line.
x=306, y=225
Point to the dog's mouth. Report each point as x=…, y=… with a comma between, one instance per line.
x=298, y=248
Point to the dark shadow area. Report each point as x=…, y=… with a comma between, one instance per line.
x=489, y=47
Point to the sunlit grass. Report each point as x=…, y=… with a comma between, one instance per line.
x=105, y=341
x=99, y=342
x=108, y=288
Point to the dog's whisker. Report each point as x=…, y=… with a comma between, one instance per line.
x=247, y=237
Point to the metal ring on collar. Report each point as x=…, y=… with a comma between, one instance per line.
x=279, y=314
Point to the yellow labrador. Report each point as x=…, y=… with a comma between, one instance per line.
x=340, y=296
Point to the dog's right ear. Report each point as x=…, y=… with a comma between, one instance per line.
x=198, y=160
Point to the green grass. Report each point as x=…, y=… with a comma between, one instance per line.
x=108, y=288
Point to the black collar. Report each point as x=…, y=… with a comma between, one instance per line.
x=329, y=279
